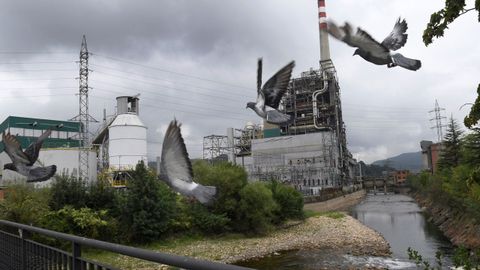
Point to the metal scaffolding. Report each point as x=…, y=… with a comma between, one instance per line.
x=216, y=147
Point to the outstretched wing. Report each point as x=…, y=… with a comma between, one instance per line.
x=259, y=75
x=397, y=38
x=33, y=149
x=14, y=149
x=276, y=86
x=39, y=174
x=359, y=39
x=278, y=118
x=175, y=162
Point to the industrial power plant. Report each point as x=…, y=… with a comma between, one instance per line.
x=309, y=153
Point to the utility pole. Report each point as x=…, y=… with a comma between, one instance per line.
x=83, y=117
x=438, y=121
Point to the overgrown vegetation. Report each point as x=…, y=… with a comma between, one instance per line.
x=456, y=184
x=148, y=210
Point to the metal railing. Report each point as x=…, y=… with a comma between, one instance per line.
x=17, y=252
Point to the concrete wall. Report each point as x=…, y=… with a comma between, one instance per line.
x=336, y=204
x=308, y=162
x=66, y=161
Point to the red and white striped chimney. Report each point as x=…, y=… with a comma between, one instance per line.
x=322, y=23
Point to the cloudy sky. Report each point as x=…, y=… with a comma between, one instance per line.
x=196, y=61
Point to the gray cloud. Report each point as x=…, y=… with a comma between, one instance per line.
x=386, y=110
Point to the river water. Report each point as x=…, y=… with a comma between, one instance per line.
x=397, y=217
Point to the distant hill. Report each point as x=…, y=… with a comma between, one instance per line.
x=406, y=161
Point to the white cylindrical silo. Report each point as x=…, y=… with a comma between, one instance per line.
x=127, y=142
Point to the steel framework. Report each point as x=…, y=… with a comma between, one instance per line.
x=83, y=117
x=438, y=121
x=215, y=146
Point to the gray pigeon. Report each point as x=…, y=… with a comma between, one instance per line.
x=374, y=52
x=176, y=168
x=269, y=96
x=23, y=161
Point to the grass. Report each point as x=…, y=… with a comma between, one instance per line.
x=329, y=214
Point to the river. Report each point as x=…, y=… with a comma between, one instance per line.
x=397, y=217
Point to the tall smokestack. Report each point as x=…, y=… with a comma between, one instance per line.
x=322, y=23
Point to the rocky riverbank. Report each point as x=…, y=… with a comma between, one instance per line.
x=458, y=226
x=346, y=235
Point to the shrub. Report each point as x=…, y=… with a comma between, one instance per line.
x=289, y=201
x=24, y=204
x=84, y=222
x=68, y=190
x=256, y=207
x=101, y=195
x=149, y=207
x=208, y=222
x=229, y=180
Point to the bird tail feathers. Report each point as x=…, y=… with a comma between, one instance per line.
x=205, y=194
x=411, y=64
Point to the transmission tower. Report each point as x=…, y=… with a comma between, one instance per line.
x=438, y=121
x=83, y=117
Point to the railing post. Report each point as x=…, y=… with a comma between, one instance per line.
x=24, y=250
x=76, y=253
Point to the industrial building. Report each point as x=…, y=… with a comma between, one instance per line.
x=61, y=148
x=311, y=153
x=121, y=141
x=430, y=155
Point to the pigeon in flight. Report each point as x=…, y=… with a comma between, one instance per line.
x=176, y=168
x=23, y=161
x=269, y=96
x=373, y=51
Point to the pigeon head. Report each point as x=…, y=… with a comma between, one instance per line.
x=10, y=166
x=356, y=52
x=251, y=105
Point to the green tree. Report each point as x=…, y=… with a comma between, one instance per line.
x=472, y=118
x=229, y=180
x=256, y=208
x=451, y=152
x=439, y=22
x=471, y=148
x=149, y=207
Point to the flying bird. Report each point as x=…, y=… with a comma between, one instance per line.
x=269, y=96
x=176, y=168
x=23, y=161
x=373, y=51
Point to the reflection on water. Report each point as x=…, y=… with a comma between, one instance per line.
x=397, y=217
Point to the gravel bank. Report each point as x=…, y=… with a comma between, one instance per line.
x=346, y=235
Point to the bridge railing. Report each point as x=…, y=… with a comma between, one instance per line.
x=17, y=252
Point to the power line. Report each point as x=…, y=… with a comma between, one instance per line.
x=168, y=87
x=169, y=71
x=438, y=121
x=170, y=81
x=36, y=63
x=195, y=114
x=176, y=103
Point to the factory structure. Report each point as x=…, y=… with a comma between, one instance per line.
x=311, y=153
x=115, y=149
x=121, y=141
x=61, y=148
